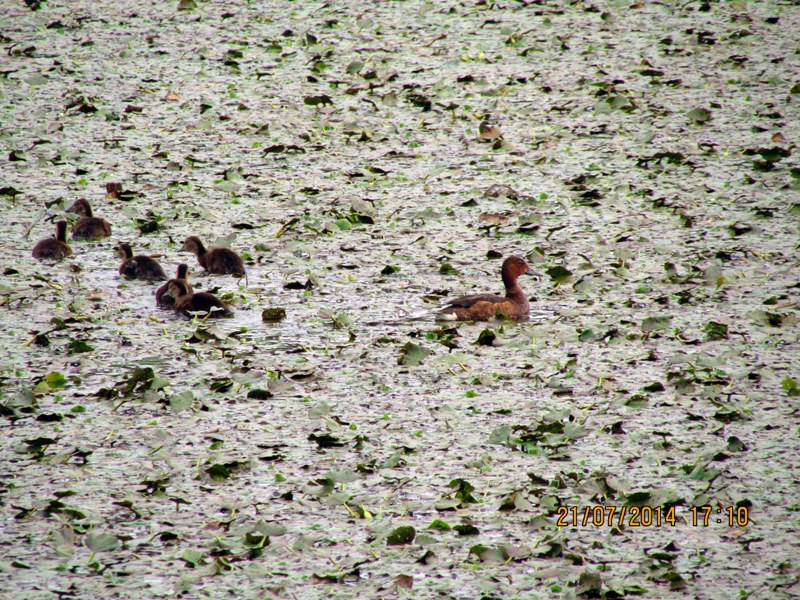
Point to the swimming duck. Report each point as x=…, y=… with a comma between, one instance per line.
x=163, y=299
x=88, y=227
x=187, y=302
x=138, y=267
x=53, y=247
x=215, y=260
x=482, y=307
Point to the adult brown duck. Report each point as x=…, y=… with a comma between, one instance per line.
x=53, y=248
x=88, y=227
x=139, y=267
x=482, y=307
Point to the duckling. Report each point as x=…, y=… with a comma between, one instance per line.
x=88, y=227
x=482, y=307
x=138, y=267
x=163, y=299
x=187, y=302
x=215, y=260
x=53, y=247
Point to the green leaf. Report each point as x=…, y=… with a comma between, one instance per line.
x=354, y=67
x=78, y=346
x=101, y=542
x=559, y=274
x=273, y=314
x=500, y=435
x=488, y=555
x=467, y=529
x=55, y=380
x=791, y=387
x=486, y=338
x=412, y=354
x=158, y=383
x=573, y=431
x=716, y=331
x=699, y=115
x=464, y=491
x=317, y=100
x=193, y=557
x=181, y=401
x=448, y=269
x=735, y=445
x=402, y=536
x=656, y=323
x=440, y=525
x=139, y=379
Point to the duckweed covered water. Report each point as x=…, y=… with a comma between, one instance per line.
x=648, y=153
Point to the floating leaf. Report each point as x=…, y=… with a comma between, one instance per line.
x=488, y=555
x=735, y=445
x=317, y=100
x=193, y=558
x=401, y=536
x=55, y=380
x=486, y=338
x=271, y=315
x=181, y=401
x=464, y=491
x=791, y=387
x=221, y=471
x=448, y=269
x=79, y=346
x=559, y=274
x=716, y=331
x=412, y=354
x=467, y=529
x=101, y=542
x=699, y=115
x=650, y=324
x=354, y=67
x=326, y=440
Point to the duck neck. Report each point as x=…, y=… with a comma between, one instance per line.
x=201, y=249
x=87, y=209
x=513, y=290
x=61, y=232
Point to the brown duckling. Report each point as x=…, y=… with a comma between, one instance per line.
x=88, y=227
x=139, y=267
x=187, y=302
x=482, y=307
x=215, y=260
x=54, y=248
x=163, y=299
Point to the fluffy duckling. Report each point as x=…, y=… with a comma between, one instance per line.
x=187, y=302
x=88, y=227
x=139, y=267
x=163, y=299
x=54, y=248
x=215, y=260
x=482, y=307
